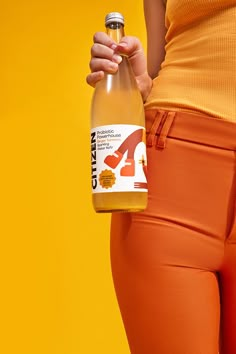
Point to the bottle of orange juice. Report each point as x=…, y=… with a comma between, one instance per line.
x=118, y=146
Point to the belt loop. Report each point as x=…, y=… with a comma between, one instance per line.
x=169, y=118
x=154, y=128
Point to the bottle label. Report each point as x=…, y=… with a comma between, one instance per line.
x=118, y=158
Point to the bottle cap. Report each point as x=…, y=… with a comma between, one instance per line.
x=114, y=17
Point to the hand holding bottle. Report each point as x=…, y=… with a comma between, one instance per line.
x=106, y=55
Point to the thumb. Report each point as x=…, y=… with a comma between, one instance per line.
x=132, y=48
x=128, y=45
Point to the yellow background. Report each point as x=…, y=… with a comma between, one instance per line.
x=56, y=294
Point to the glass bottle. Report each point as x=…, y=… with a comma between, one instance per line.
x=118, y=145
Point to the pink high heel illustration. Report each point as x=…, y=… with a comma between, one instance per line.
x=129, y=145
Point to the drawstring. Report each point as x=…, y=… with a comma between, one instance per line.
x=160, y=129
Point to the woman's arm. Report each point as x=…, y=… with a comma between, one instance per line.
x=154, y=11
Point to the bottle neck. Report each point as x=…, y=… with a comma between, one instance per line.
x=115, y=31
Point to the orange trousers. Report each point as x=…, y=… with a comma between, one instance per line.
x=174, y=265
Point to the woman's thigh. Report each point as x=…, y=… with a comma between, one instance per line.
x=167, y=307
x=165, y=260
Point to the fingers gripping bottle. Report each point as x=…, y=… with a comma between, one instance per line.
x=118, y=146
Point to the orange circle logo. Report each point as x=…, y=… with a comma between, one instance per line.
x=107, y=179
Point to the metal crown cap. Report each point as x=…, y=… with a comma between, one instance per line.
x=114, y=17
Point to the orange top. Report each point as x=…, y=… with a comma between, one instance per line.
x=199, y=70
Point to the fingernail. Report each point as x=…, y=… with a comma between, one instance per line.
x=113, y=66
x=113, y=46
x=117, y=58
x=123, y=45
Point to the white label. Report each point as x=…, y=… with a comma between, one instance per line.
x=118, y=158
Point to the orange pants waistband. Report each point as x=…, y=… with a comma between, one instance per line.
x=188, y=126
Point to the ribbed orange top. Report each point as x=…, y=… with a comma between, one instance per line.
x=199, y=70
